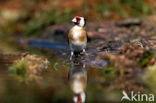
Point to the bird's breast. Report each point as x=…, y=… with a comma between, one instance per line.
x=78, y=36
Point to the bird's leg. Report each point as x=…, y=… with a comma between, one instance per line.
x=72, y=53
x=84, y=66
x=84, y=51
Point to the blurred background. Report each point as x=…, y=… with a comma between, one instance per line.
x=27, y=17
x=24, y=20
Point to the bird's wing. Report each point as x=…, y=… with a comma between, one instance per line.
x=69, y=31
x=88, y=38
x=70, y=35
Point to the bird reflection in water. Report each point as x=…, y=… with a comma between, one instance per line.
x=77, y=77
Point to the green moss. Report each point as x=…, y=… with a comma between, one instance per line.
x=124, y=8
x=18, y=69
x=147, y=56
x=102, y=7
x=36, y=25
x=138, y=7
x=109, y=72
x=149, y=79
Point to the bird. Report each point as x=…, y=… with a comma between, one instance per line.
x=77, y=77
x=77, y=36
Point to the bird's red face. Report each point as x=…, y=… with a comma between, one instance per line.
x=80, y=21
x=76, y=20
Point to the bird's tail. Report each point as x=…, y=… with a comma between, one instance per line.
x=78, y=53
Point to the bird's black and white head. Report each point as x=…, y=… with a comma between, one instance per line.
x=79, y=21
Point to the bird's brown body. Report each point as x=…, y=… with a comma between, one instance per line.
x=82, y=37
x=77, y=36
x=77, y=39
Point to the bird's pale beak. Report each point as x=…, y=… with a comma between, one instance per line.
x=74, y=20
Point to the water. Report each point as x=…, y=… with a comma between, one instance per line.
x=59, y=83
x=85, y=78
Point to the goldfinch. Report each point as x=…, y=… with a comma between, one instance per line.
x=77, y=36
